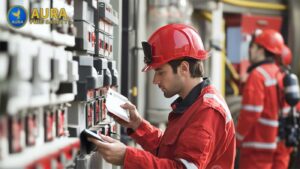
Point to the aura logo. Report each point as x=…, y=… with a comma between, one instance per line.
x=17, y=16
x=49, y=16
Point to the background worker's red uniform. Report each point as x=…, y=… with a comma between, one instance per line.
x=201, y=136
x=257, y=127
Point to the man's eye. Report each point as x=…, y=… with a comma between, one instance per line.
x=160, y=73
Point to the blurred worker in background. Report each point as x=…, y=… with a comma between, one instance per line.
x=200, y=132
x=257, y=128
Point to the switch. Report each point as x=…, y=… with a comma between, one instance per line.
x=49, y=125
x=104, y=129
x=103, y=109
x=97, y=111
x=106, y=46
x=60, y=122
x=3, y=137
x=89, y=114
x=15, y=129
x=100, y=44
x=90, y=95
x=114, y=73
x=93, y=39
x=113, y=127
x=109, y=47
x=83, y=40
x=30, y=129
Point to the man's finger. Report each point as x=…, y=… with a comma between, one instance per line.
x=98, y=143
x=116, y=118
x=128, y=106
x=108, y=139
x=120, y=121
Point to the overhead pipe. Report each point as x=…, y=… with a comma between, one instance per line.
x=260, y=5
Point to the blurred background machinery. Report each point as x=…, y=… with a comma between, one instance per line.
x=225, y=27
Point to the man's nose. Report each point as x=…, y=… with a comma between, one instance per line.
x=155, y=80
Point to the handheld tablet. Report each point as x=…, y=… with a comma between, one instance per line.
x=113, y=102
x=87, y=133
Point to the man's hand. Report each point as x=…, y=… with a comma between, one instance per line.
x=113, y=151
x=134, y=117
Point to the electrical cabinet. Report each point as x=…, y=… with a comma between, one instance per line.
x=54, y=75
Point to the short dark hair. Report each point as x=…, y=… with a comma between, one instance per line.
x=196, y=66
x=267, y=53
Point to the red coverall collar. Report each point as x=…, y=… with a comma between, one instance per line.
x=180, y=105
x=255, y=65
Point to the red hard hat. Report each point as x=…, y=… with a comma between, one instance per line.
x=172, y=42
x=286, y=56
x=271, y=40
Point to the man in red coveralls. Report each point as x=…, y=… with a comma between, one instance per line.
x=257, y=128
x=200, y=132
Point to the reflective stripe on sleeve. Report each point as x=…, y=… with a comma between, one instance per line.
x=188, y=165
x=253, y=108
x=222, y=103
x=268, y=122
x=259, y=145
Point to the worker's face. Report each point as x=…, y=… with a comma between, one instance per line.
x=255, y=53
x=169, y=82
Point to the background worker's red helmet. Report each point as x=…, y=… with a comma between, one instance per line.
x=171, y=42
x=271, y=40
x=286, y=56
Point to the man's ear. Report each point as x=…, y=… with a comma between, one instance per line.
x=184, y=67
